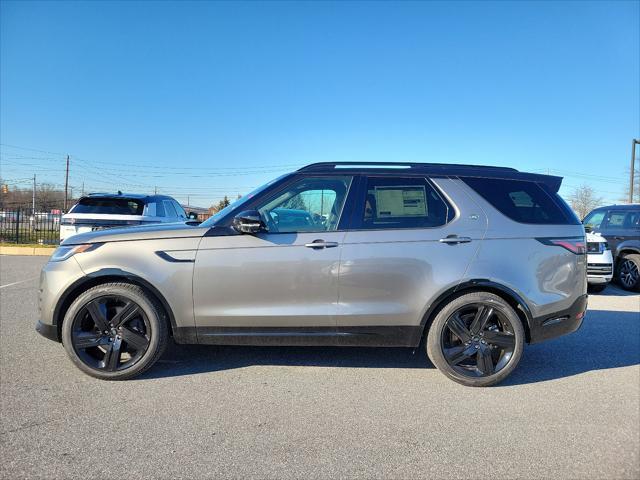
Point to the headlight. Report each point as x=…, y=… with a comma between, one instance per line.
x=67, y=251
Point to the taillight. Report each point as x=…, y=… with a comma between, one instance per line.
x=575, y=245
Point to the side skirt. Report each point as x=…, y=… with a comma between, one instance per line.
x=376, y=336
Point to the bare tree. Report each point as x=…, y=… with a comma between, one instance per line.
x=584, y=199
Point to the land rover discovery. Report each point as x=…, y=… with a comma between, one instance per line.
x=467, y=263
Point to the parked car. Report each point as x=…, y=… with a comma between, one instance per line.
x=469, y=263
x=99, y=211
x=620, y=225
x=599, y=262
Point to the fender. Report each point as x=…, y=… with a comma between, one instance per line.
x=481, y=284
x=626, y=246
x=97, y=277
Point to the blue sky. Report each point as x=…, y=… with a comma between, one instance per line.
x=208, y=98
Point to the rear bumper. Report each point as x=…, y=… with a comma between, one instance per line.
x=47, y=331
x=559, y=323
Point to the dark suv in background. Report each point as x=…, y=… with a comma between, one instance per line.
x=620, y=225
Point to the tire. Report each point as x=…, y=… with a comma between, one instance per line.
x=497, y=336
x=133, y=334
x=597, y=288
x=628, y=272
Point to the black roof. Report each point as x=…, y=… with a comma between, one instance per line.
x=434, y=169
x=624, y=206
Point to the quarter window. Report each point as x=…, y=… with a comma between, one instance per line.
x=307, y=205
x=393, y=202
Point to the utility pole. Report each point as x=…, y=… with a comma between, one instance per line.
x=34, y=196
x=155, y=190
x=83, y=188
x=634, y=142
x=66, y=186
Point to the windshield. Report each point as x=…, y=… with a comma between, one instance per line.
x=211, y=221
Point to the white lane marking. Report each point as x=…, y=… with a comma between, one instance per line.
x=17, y=283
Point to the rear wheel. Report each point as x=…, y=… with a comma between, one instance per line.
x=114, y=331
x=628, y=273
x=476, y=339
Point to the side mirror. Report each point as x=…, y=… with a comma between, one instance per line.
x=588, y=228
x=248, y=221
x=192, y=216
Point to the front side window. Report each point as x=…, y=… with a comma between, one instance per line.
x=307, y=205
x=402, y=203
x=169, y=209
x=624, y=219
x=594, y=219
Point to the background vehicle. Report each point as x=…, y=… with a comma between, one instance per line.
x=599, y=262
x=620, y=225
x=397, y=254
x=99, y=211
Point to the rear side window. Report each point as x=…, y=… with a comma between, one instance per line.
x=523, y=201
x=113, y=206
x=393, y=203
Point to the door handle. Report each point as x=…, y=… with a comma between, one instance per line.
x=618, y=238
x=453, y=239
x=320, y=244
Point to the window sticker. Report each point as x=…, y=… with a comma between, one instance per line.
x=401, y=201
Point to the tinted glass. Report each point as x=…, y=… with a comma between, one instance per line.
x=169, y=209
x=113, y=206
x=523, y=201
x=624, y=219
x=393, y=202
x=180, y=210
x=308, y=205
x=594, y=219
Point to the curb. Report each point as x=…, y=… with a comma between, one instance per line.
x=31, y=251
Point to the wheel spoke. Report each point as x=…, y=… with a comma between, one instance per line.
x=459, y=329
x=457, y=354
x=134, y=339
x=501, y=339
x=480, y=320
x=129, y=311
x=88, y=340
x=111, y=358
x=485, y=361
x=97, y=315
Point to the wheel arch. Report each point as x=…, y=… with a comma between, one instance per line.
x=100, y=277
x=481, y=285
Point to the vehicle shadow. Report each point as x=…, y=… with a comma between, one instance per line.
x=607, y=339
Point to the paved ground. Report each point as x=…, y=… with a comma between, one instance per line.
x=571, y=409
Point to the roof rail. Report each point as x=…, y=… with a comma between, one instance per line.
x=324, y=166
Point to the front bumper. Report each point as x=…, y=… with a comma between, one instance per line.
x=559, y=323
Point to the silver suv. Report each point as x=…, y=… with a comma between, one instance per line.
x=468, y=262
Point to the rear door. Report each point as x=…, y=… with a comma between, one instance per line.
x=409, y=241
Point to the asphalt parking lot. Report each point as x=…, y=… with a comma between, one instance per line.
x=571, y=409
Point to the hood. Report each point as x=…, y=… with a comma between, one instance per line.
x=595, y=238
x=140, y=232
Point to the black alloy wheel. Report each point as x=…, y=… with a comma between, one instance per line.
x=478, y=340
x=115, y=331
x=110, y=333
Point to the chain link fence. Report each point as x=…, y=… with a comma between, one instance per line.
x=22, y=226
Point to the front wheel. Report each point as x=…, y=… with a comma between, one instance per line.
x=114, y=331
x=629, y=272
x=477, y=339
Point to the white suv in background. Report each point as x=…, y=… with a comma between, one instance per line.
x=599, y=262
x=99, y=211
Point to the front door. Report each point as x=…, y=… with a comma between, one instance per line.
x=283, y=281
